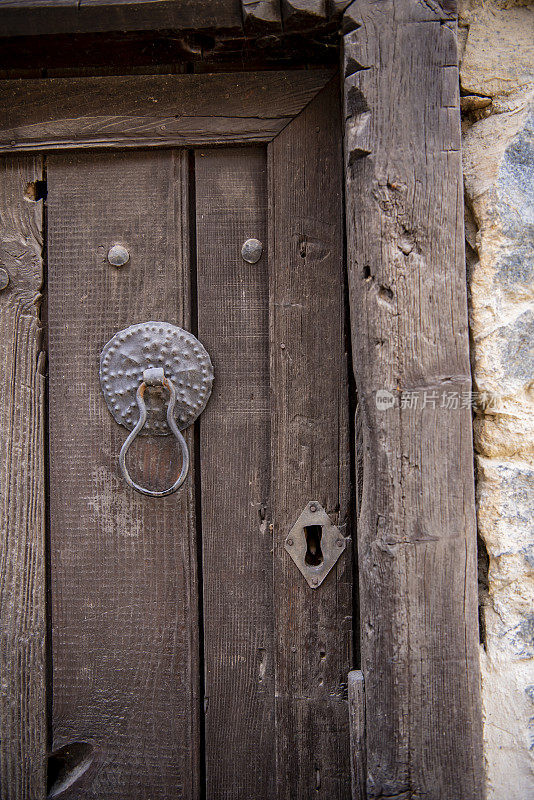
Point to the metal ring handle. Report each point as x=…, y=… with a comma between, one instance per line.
x=174, y=428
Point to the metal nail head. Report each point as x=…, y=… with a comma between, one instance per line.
x=252, y=251
x=4, y=278
x=118, y=255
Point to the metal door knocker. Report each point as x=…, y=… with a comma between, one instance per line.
x=162, y=359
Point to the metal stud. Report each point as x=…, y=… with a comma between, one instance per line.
x=4, y=278
x=251, y=251
x=118, y=255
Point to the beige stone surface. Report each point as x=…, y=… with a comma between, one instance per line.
x=497, y=40
x=499, y=51
x=505, y=699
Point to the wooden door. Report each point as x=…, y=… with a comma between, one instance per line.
x=189, y=656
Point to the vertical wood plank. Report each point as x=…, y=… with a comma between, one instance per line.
x=124, y=595
x=357, y=734
x=231, y=189
x=416, y=540
x=22, y=539
x=310, y=448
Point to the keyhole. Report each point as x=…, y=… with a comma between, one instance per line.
x=314, y=554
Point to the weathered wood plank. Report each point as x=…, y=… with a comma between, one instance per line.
x=123, y=566
x=227, y=17
x=310, y=448
x=416, y=527
x=22, y=535
x=357, y=734
x=231, y=192
x=38, y=17
x=152, y=110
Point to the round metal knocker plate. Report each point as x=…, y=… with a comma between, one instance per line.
x=153, y=345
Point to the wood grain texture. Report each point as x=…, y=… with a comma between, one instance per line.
x=229, y=18
x=415, y=11
x=231, y=192
x=262, y=15
x=302, y=14
x=416, y=526
x=152, y=110
x=357, y=734
x=38, y=17
x=123, y=566
x=310, y=449
x=22, y=536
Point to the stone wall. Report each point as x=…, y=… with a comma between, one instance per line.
x=497, y=84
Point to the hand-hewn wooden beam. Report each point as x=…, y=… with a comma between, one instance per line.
x=226, y=17
x=416, y=527
x=37, y=17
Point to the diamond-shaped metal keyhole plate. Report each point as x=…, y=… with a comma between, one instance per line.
x=314, y=543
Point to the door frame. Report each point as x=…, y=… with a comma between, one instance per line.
x=417, y=730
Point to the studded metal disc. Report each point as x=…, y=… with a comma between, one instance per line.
x=155, y=344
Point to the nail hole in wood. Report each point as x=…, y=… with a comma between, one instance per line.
x=385, y=292
x=34, y=191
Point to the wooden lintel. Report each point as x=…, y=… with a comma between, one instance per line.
x=38, y=17
x=225, y=17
